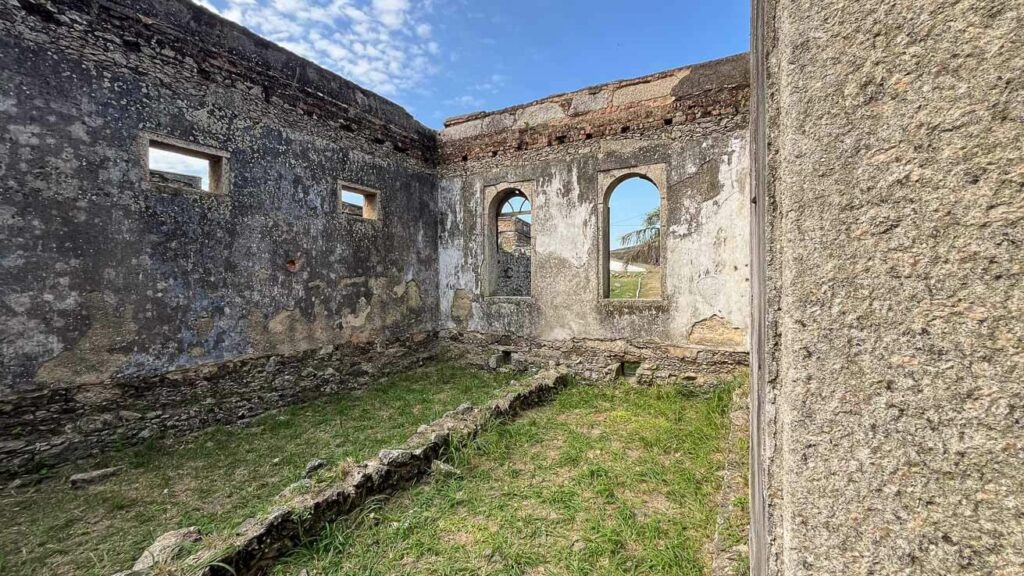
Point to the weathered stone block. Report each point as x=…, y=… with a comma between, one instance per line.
x=94, y=477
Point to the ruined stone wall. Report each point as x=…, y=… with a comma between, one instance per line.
x=889, y=167
x=686, y=130
x=109, y=283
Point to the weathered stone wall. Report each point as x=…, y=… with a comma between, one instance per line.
x=137, y=304
x=686, y=130
x=514, y=272
x=892, y=395
x=107, y=282
x=592, y=358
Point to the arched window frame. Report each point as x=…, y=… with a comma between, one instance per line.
x=608, y=181
x=494, y=197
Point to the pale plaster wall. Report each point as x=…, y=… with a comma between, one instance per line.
x=704, y=181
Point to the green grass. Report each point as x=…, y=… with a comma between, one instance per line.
x=623, y=285
x=609, y=479
x=735, y=529
x=219, y=477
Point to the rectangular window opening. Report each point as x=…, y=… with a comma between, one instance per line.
x=629, y=369
x=358, y=202
x=179, y=166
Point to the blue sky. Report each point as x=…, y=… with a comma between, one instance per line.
x=441, y=58
x=631, y=200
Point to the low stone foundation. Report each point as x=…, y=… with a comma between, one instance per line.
x=258, y=542
x=63, y=424
x=594, y=359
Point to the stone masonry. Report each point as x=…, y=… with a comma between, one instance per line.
x=135, y=303
x=847, y=205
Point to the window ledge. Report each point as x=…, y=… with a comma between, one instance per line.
x=642, y=304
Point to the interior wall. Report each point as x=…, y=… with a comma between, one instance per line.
x=889, y=402
x=686, y=130
x=109, y=283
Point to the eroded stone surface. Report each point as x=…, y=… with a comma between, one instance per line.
x=126, y=303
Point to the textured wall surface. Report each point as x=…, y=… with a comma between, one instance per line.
x=134, y=304
x=893, y=439
x=108, y=282
x=687, y=130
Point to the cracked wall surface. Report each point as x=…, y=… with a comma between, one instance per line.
x=685, y=129
x=108, y=284
x=893, y=392
x=137, y=304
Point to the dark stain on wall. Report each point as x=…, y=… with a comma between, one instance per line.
x=133, y=306
x=110, y=281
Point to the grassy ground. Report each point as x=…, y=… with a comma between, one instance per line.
x=219, y=477
x=609, y=479
x=732, y=555
x=623, y=285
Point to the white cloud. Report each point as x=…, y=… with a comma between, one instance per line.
x=466, y=101
x=180, y=164
x=383, y=45
x=391, y=13
x=491, y=85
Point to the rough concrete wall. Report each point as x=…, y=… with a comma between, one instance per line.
x=893, y=438
x=686, y=128
x=514, y=272
x=108, y=280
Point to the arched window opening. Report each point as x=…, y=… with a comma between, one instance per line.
x=634, y=241
x=513, y=221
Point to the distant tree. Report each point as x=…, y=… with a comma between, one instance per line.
x=644, y=243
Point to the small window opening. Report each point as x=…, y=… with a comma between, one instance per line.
x=668, y=121
x=513, y=224
x=358, y=202
x=177, y=166
x=629, y=369
x=634, y=241
x=624, y=129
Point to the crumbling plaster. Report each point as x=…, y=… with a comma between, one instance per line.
x=132, y=308
x=108, y=280
x=701, y=169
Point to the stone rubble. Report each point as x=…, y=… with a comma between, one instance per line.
x=313, y=467
x=167, y=547
x=94, y=477
x=258, y=542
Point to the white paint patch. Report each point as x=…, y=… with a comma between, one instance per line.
x=562, y=226
x=620, y=266
x=457, y=261
x=709, y=266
